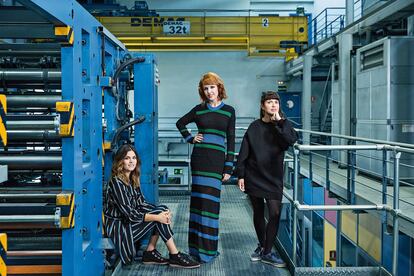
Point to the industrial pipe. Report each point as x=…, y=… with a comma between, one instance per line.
x=338, y=147
x=40, y=253
x=375, y=141
x=115, y=139
x=32, y=125
x=21, y=101
x=31, y=75
x=32, y=162
x=27, y=219
x=32, y=136
x=37, y=78
x=21, y=196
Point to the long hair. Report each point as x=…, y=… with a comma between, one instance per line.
x=211, y=78
x=270, y=95
x=118, y=166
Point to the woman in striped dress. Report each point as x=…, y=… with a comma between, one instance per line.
x=128, y=217
x=211, y=163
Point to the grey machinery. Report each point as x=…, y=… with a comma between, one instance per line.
x=385, y=100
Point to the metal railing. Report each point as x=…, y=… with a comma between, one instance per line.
x=327, y=23
x=332, y=19
x=394, y=211
x=357, y=161
x=394, y=148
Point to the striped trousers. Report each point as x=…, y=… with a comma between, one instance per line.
x=125, y=235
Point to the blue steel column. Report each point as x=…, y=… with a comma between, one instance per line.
x=112, y=57
x=69, y=160
x=146, y=133
x=82, y=154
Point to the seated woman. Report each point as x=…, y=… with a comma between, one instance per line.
x=128, y=217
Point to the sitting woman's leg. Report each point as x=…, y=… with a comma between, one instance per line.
x=171, y=246
x=151, y=254
x=153, y=242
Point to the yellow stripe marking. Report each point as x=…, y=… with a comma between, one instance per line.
x=62, y=30
x=65, y=222
x=3, y=131
x=72, y=115
x=63, y=106
x=3, y=242
x=63, y=199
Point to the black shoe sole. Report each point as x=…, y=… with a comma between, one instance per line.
x=154, y=263
x=273, y=264
x=181, y=266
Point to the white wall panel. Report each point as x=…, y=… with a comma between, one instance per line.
x=245, y=78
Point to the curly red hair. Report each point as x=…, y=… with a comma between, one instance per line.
x=211, y=78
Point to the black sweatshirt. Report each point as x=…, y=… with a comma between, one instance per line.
x=260, y=160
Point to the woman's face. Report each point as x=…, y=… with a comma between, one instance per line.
x=271, y=107
x=130, y=161
x=211, y=92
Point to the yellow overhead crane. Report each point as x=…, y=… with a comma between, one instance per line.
x=259, y=35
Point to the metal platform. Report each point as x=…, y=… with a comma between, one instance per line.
x=340, y=271
x=237, y=240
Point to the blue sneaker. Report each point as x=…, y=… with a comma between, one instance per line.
x=257, y=254
x=273, y=259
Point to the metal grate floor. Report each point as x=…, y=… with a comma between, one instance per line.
x=237, y=240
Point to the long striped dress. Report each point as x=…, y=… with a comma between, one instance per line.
x=124, y=210
x=209, y=160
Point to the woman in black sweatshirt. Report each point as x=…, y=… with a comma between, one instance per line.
x=260, y=172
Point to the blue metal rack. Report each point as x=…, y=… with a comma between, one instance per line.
x=89, y=56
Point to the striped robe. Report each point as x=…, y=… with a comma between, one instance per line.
x=209, y=160
x=124, y=212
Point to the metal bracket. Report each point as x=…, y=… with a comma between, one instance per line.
x=57, y=217
x=105, y=81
